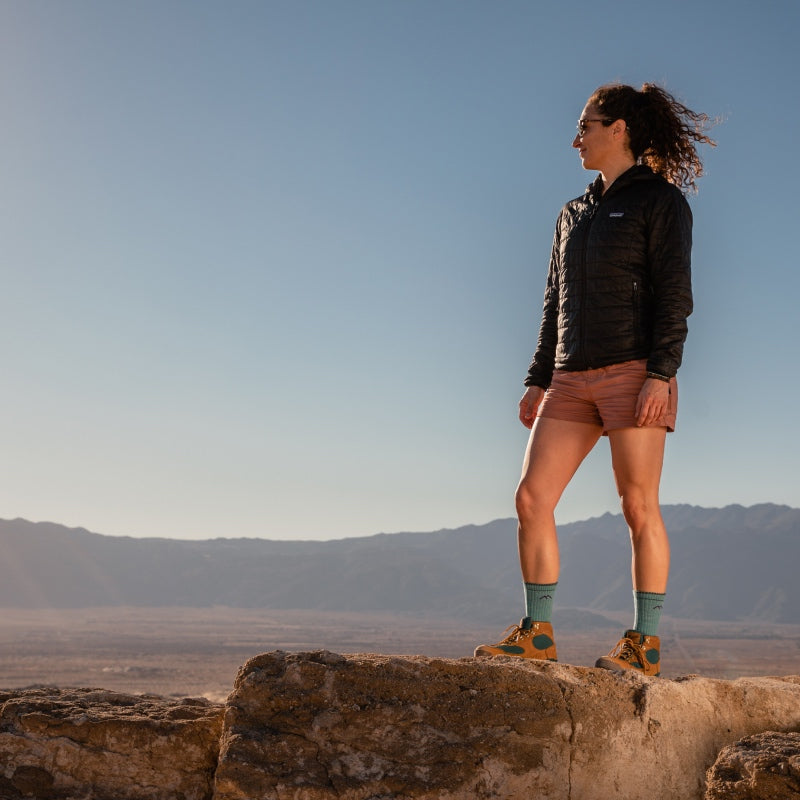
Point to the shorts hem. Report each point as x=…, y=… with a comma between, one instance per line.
x=611, y=428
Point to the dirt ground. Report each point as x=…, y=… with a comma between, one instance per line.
x=197, y=652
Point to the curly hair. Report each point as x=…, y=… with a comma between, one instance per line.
x=663, y=132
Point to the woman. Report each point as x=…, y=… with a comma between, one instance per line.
x=611, y=339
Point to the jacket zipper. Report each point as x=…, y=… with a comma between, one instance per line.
x=584, y=283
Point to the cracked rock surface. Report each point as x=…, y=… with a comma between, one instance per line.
x=76, y=744
x=317, y=726
x=761, y=767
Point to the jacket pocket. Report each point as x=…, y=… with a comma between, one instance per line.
x=637, y=314
x=642, y=303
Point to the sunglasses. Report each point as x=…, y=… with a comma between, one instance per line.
x=582, y=125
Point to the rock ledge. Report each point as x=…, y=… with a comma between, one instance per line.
x=319, y=726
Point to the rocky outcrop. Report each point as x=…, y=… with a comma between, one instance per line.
x=84, y=744
x=322, y=726
x=318, y=726
x=761, y=767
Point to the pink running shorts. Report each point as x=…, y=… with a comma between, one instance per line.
x=605, y=396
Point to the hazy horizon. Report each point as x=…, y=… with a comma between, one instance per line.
x=421, y=531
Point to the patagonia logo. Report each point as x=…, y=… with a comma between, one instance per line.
x=616, y=214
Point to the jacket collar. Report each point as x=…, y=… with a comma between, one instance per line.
x=638, y=172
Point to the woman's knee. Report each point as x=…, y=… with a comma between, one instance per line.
x=640, y=511
x=531, y=500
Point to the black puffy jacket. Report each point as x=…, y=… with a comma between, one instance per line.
x=619, y=283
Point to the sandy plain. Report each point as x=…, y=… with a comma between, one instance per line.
x=197, y=652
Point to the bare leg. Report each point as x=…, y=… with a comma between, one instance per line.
x=637, y=455
x=555, y=450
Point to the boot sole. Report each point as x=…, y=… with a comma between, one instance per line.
x=612, y=666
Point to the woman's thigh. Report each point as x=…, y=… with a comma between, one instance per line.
x=637, y=457
x=555, y=450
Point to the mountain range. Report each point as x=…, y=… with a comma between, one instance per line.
x=732, y=563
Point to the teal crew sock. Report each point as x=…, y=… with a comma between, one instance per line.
x=647, y=612
x=539, y=601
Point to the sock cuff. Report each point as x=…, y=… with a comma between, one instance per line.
x=539, y=601
x=647, y=612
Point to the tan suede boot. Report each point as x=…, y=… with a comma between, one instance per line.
x=634, y=651
x=527, y=640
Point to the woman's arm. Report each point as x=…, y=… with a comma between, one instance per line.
x=540, y=371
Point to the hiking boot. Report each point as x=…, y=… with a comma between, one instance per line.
x=529, y=639
x=634, y=651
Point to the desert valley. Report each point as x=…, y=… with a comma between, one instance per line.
x=188, y=652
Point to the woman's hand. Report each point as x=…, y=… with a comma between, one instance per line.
x=529, y=405
x=652, y=402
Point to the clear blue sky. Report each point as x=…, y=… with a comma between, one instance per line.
x=275, y=268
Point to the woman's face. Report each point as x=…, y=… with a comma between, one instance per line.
x=597, y=145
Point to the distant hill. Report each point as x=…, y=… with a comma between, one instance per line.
x=727, y=564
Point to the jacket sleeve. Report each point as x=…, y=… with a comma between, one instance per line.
x=540, y=371
x=669, y=258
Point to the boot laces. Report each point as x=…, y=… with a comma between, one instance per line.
x=627, y=650
x=516, y=634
